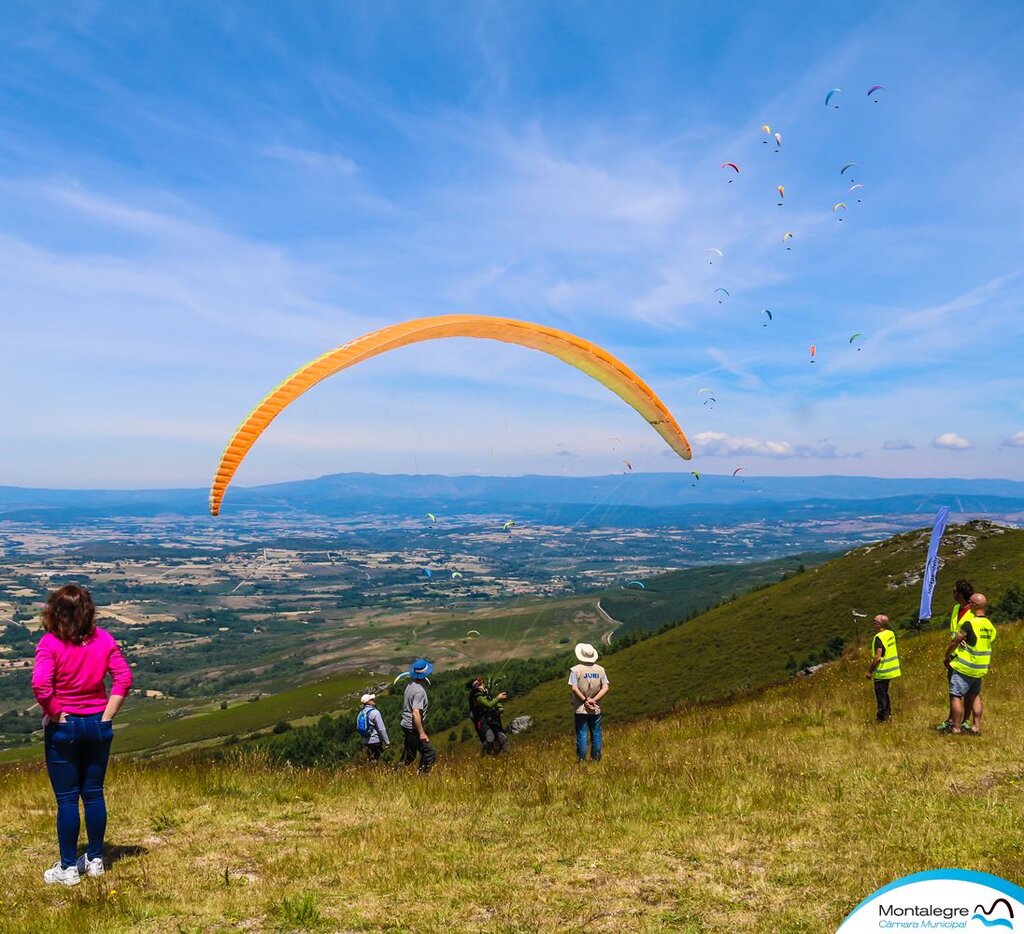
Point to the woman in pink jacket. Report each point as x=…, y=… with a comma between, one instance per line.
x=72, y=660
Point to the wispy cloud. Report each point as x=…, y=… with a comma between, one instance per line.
x=719, y=444
x=1015, y=440
x=897, y=446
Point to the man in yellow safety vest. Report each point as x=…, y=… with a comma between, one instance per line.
x=963, y=590
x=968, y=657
x=884, y=667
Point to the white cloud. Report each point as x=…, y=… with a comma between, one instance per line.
x=1015, y=441
x=719, y=444
x=952, y=442
x=897, y=446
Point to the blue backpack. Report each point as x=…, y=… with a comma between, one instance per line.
x=363, y=724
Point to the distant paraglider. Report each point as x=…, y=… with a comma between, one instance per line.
x=739, y=470
x=778, y=141
x=857, y=187
x=814, y=352
x=787, y=236
x=855, y=337
x=873, y=88
x=432, y=518
x=831, y=94
x=769, y=314
x=428, y=573
x=629, y=466
x=456, y=574
x=725, y=292
x=695, y=474
x=782, y=193
x=836, y=207
x=636, y=585
x=767, y=130
x=733, y=166
x=849, y=165
x=508, y=525
x=473, y=632
x=715, y=249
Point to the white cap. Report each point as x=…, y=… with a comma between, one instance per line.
x=367, y=698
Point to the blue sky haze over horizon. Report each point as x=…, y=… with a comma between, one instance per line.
x=199, y=198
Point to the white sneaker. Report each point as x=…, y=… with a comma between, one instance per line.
x=56, y=875
x=89, y=867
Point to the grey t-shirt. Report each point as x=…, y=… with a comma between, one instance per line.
x=415, y=699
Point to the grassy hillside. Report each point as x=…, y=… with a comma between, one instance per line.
x=678, y=594
x=763, y=636
x=777, y=812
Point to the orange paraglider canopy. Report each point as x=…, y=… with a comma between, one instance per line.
x=581, y=354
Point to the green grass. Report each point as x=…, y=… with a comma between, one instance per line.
x=776, y=812
x=748, y=642
x=678, y=594
x=146, y=728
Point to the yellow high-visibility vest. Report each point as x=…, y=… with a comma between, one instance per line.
x=955, y=622
x=889, y=666
x=972, y=661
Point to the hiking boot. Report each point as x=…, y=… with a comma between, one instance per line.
x=57, y=875
x=89, y=867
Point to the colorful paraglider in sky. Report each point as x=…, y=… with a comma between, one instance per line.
x=432, y=518
x=583, y=355
x=836, y=207
x=636, y=585
x=873, y=88
x=733, y=166
x=814, y=352
x=787, y=236
x=472, y=632
x=849, y=165
x=695, y=474
x=456, y=574
x=738, y=470
x=767, y=130
x=715, y=249
x=857, y=187
x=629, y=466
x=778, y=141
x=855, y=337
x=782, y=193
x=429, y=574
x=508, y=525
x=767, y=312
x=725, y=292
x=831, y=94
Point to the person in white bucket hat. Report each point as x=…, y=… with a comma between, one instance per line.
x=370, y=725
x=588, y=683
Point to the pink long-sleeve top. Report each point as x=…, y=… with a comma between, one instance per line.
x=68, y=678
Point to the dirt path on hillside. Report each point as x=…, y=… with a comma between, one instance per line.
x=606, y=639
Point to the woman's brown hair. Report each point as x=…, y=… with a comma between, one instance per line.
x=70, y=614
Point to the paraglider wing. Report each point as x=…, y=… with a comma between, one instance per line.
x=699, y=391
x=432, y=517
x=585, y=356
x=767, y=312
x=720, y=289
x=856, y=187
x=508, y=525
x=853, y=337
x=737, y=470
x=472, y=632
x=787, y=236
x=637, y=584
x=778, y=140
x=875, y=87
x=766, y=130
x=456, y=574
x=831, y=94
x=731, y=165
x=781, y=191
x=629, y=466
x=837, y=206
x=715, y=249
x=849, y=165
x=814, y=351
x=695, y=474
x=428, y=573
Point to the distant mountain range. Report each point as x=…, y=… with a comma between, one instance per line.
x=644, y=499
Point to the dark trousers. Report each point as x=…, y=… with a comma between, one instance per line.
x=76, y=761
x=373, y=751
x=882, y=699
x=414, y=747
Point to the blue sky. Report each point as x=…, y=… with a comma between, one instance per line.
x=199, y=198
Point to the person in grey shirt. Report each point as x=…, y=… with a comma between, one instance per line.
x=371, y=727
x=414, y=715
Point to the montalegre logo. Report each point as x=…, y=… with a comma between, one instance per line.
x=941, y=900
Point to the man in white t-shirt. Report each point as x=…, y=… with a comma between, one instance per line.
x=588, y=683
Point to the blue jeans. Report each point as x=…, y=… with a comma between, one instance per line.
x=76, y=761
x=588, y=724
